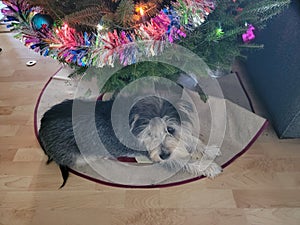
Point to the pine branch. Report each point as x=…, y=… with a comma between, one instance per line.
x=263, y=10
x=89, y=17
x=59, y=9
x=124, y=13
x=142, y=69
x=152, y=7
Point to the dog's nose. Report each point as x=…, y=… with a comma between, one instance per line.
x=164, y=155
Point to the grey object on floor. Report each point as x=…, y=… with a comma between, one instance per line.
x=230, y=84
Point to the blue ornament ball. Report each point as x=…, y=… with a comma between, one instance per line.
x=40, y=21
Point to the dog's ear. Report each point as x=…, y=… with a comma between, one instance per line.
x=188, y=114
x=132, y=123
x=185, y=106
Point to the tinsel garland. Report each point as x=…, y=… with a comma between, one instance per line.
x=106, y=46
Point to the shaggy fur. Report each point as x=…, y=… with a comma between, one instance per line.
x=165, y=134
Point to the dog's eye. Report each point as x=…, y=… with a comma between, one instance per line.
x=171, y=130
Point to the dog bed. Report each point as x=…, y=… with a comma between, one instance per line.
x=238, y=127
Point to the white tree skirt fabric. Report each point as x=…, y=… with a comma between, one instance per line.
x=239, y=128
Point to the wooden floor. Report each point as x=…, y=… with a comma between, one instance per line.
x=260, y=188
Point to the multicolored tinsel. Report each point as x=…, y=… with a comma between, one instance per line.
x=105, y=47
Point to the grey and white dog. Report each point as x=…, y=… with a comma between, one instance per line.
x=165, y=130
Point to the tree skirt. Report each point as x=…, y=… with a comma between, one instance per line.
x=238, y=127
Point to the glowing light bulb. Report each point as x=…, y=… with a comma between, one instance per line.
x=99, y=27
x=140, y=10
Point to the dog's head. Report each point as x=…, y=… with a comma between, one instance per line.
x=161, y=127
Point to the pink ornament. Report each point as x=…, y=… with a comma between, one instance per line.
x=249, y=35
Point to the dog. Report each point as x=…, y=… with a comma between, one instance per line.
x=164, y=130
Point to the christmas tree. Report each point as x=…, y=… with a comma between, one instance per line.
x=88, y=33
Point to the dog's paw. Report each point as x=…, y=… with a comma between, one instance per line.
x=212, y=151
x=206, y=168
x=154, y=156
x=212, y=170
